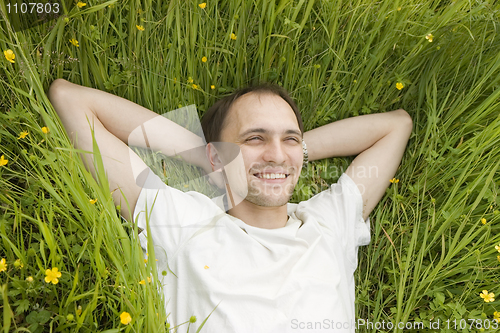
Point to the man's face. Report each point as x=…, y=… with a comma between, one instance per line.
x=265, y=128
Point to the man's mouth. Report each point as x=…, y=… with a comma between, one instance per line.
x=271, y=175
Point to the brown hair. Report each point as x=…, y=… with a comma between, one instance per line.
x=213, y=120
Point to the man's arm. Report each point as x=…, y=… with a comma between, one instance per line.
x=113, y=120
x=379, y=139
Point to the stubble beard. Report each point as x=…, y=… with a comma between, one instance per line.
x=276, y=196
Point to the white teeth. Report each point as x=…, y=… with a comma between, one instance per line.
x=272, y=175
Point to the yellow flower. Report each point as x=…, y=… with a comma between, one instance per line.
x=3, y=265
x=149, y=279
x=204, y=59
x=46, y=129
x=497, y=247
x=194, y=86
x=488, y=297
x=145, y=261
x=29, y=279
x=81, y=4
x=79, y=310
x=93, y=201
x=18, y=263
x=140, y=27
x=394, y=180
x=206, y=267
x=429, y=37
x=399, y=86
x=202, y=5
x=399, y=8
x=212, y=87
x=74, y=42
x=22, y=135
x=496, y=316
x=125, y=318
x=498, y=258
x=483, y=220
x=9, y=55
x=233, y=36
x=53, y=275
x=3, y=161
x=190, y=79
x=143, y=282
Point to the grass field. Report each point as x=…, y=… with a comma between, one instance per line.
x=435, y=234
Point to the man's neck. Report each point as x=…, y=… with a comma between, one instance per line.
x=259, y=216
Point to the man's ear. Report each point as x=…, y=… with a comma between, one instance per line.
x=213, y=157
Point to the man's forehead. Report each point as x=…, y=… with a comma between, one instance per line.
x=260, y=110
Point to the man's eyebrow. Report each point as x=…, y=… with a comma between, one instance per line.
x=264, y=131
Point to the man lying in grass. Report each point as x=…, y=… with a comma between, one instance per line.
x=265, y=265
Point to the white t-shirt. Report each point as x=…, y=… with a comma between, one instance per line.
x=298, y=278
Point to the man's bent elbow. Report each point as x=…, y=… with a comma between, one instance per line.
x=405, y=118
x=55, y=89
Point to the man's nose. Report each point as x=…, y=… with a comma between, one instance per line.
x=274, y=152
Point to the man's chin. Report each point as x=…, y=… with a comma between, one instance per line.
x=267, y=202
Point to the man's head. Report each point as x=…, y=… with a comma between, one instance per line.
x=266, y=125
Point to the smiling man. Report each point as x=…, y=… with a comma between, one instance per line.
x=262, y=264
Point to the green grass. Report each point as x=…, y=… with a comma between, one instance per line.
x=430, y=254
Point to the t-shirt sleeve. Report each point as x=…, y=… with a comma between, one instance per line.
x=170, y=216
x=340, y=209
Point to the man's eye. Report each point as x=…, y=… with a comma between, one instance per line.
x=293, y=139
x=254, y=138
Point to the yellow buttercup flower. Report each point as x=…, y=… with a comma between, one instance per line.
x=496, y=316
x=74, y=42
x=497, y=247
x=233, y=36
x=29, y=279
x=9, y=55
x=93, y=201
x=487, y=297
x=23, y=134
x=143, y=282
x=394, y=180
x=498, y=258
x=429, y=37
x=18, y=263
x=399, y=86
x=212, y=87
x=81, y=4
x=3, y=265
x=483, y=220
x=46, y=129
x=140, y=27
x=194, y=86
x=204, y=59
x=202, y=5
x=125, y=318
x=3, y=161
x=52, y=275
